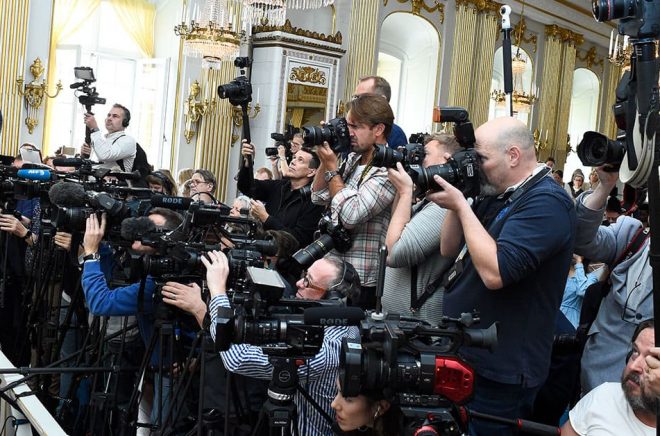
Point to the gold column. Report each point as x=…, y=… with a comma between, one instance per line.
x=214, y=135
x=556, y=90
x=361, y=53
x=487, y=26
x=613, y=75
x=13, y=33
x=472, y=57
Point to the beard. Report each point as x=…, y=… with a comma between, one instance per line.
x=642, y=402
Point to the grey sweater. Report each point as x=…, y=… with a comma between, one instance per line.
x=419, y=245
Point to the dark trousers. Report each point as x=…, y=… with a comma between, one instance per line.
x=499, y=399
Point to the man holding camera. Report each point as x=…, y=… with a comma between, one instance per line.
x=287, y=206
x=513, y=248
x=282, y=160
x=115, y=148
x=378, y=85
x=358, y=193
x=325, y=278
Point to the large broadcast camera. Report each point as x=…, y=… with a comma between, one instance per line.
x=636, y=107
x=461, y=171
x=415, y=365
x=334, y=132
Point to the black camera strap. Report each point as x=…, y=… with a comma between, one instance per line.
x=505, y=209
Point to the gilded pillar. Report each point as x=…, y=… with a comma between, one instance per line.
x=13, y=33
x=214, y=135
x=564, y=101
x=361, y=53
x=613, y=75
x=475, y=35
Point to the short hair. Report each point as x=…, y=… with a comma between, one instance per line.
x=449, y=142
x=314, y=162
x=127, y=114
x=519, y=135
x=172, y=219
x=297, y=135
x=381, y=86
x=550, y=159
x=287, y=244
x=352, y=288
x=646, y=324
x=266, y=171
x=206, y=175
x=371, y=109
x=245, y=200
x=164, y=179
x=560, y=173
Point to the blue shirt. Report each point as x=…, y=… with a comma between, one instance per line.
x=571, y=304
x=535, y=236
x=397, y=137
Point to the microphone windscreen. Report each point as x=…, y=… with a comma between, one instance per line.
x=67, y=194
x=135, y=175
x=333, y=316
x=171, y=202
x=68, y=162
x=132, y=229
x=40, y=175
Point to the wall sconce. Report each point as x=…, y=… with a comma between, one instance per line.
x=34, y=93
x=540, y=144
x=237, y=117
x=194, y=110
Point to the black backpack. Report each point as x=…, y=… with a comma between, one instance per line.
x=140, y=163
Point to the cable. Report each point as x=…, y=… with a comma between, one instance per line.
x=5, y=424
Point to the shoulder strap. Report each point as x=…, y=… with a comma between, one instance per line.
x=120, y=162
x=633, y=247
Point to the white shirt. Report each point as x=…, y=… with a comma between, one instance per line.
x=113, y=147
x=605, y=411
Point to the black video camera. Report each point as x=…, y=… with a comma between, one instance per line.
x=331, y=236
x=89, y=97
x=334, y=132
x=282, y=139
x=73, y=219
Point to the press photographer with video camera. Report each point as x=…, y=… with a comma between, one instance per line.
x=327, y=278
x=116, y=147
x=287, y=204
x=513, y=248
x=359, y=194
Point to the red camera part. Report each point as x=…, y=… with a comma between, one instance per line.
x=454, y=379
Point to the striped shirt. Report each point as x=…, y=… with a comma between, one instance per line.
x=317, y=376
x=363, y=207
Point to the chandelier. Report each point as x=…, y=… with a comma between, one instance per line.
x=216, y=35
x=262, y=12
x=620, y=53
x=522, y=101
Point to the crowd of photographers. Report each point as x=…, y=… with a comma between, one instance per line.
x=181, y=311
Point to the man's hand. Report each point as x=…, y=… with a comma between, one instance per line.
x=10, y=224
x=258, y=210
x=247, y=149
x=448, y=196
x=63, y=239
x=93, y=234
x=217, y=271
x=90, y=121
x=400, y=179
x=186, y=297
x=85, y=149
x=651, y=376
x=281, y=152
x=327, y=157
x=607, y=178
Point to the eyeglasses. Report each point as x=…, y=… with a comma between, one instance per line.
x=194, y=182
x=308, y=284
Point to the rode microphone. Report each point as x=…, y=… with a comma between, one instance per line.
x=171, y=202
x=39, y=175
x=333, y=316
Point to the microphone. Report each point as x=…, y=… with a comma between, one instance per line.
x=39, y=175
x=75, y=162
x=171, y=202
x=67, y=194
x=133, y=229
x=333, y=316
x=135, y=175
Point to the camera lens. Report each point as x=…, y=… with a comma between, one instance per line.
x=596, y=149
x=312, y=136
x=606, y=10
x=386, y=157
x=423, y=177
x=71, y=219
x=305, y=257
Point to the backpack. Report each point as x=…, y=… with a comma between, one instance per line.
x=140, y=163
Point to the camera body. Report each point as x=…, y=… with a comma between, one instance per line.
x=334, y=132
x=639, y=18
x=89, y=96
x=330, y=236
x=73, y=219
x=238, y=91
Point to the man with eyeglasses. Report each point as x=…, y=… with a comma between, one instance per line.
x=630, y=299
x=202, y=184
x=327, y=278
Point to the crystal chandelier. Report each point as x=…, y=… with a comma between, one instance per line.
x=262, y=12
x=216, y=35
x=308, y=4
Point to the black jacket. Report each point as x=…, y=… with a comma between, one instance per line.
x=287, y=209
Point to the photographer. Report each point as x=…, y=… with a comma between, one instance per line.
x=287, y=206
x=318, y=375
x=359, y=194
x=116, y=147
x=413, y=242
x=281, y=162
x=378, y=85
x=517, y=243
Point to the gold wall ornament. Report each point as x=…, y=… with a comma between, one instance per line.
x=590, y=57
x=288, y=28
x=540, y=143
x=308, y=74
x=418, y=5
x=487, y=6
x=34, y=92
x=520, y=36
x=194, y=110
x=564, y=35
x=237, y=118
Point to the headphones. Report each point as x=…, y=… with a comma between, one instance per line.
x=163, y=179
x=347, y=286
x=127, y=115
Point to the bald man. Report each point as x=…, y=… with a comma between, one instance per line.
x=515, y=244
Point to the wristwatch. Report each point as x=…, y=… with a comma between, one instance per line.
x=329, y=175
x=93, y=256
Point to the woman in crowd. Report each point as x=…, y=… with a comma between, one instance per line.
x=367, y=414
x=574, y=187
x=161, y=181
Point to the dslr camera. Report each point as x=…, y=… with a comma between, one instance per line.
x=331, y=236
x=334, y=132
x=239, y=90
x=282, y=139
